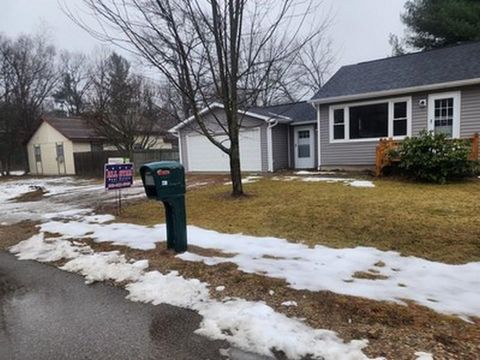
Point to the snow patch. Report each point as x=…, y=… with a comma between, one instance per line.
x=449, y=289
x=156, y=288
x=290, y=303
x=362, y=184
x=423, y=356
x=251, y=326
x=15, y=173
x=134, y=236
x=327, y=179
x=47, y=249
x=304, y=172
x=106, y=266
x=247, y=180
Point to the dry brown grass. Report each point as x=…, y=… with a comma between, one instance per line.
x=34, y=195
x=430, y=221
x=13, y=234
x=437, y=222
x=393, y=330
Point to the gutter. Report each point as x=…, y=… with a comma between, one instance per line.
x=399, y=91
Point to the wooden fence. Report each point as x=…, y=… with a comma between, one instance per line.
x=91, y=164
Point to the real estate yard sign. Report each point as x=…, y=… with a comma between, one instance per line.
x=117, y=177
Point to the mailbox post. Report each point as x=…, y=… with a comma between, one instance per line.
x=165, y=181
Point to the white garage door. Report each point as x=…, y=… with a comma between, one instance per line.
x=204, y=156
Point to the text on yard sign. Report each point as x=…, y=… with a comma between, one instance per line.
x=118, y=176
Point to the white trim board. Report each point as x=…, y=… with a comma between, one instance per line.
x=346, y=108
x=457, y=103
x=395, y=92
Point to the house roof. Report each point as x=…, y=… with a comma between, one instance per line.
x=75, y=129
x=297, y=112
x=285, y=113
x=449, y=66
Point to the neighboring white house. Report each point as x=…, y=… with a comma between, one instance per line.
x=52, y=146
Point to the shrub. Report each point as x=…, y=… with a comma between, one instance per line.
x=435, y=158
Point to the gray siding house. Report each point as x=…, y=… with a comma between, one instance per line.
x=268, y=139
x=396, y=97
x=340, y=127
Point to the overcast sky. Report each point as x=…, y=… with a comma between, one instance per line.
x=359, y=29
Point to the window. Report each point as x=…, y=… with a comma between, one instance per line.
x=38, y=153
x=369, y=121
x=304, y=134
x=400, y=118
x=60, y=153
x=444, y=116
x=339, y=124
x=304, y=151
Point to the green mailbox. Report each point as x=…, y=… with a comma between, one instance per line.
x=165, y=181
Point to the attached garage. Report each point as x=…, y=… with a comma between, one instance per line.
x=204, y=156
x=265, y=143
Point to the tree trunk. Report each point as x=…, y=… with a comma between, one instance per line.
x=235, y=172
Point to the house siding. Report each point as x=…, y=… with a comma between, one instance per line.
x=363, y=153
x=280, y=147
x=79, y=147
x=214, y=127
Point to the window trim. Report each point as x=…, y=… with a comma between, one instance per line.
x=346, y=117
x=457, y=104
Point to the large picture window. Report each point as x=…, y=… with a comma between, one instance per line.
x=371, y=120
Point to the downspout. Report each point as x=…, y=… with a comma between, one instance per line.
x=271, y=125
x=319, y=143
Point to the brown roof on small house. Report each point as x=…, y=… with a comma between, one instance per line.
x=73, y=128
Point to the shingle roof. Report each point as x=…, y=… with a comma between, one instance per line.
x=297, y=112
x=75, y=129
x=461, y=62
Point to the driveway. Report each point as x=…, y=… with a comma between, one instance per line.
x=46, y=313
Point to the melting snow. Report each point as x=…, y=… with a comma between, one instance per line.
x=450, y=289
x=247, y=180
x=252, y=326
x=327, y=179
x=423, y=356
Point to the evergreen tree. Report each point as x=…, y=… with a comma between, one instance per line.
x=438, y=23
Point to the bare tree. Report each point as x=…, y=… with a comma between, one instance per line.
x=209, y=47
x=75, y=82
x=28, y=77
x=122, y=106
x=313, y=63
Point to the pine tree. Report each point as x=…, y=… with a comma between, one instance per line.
x=438, y=23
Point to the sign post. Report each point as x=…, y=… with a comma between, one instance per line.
x=117, y=177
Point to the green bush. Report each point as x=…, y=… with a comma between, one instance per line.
x=435, y=158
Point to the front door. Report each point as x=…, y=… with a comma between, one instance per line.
x=444, y=114
x=304, y=147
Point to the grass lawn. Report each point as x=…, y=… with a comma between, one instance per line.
x=437, y=222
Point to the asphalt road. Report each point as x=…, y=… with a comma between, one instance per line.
x=46, y=313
